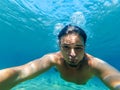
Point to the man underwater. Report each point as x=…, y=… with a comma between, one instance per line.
x=73, y=63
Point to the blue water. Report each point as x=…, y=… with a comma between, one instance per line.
x=29, y=28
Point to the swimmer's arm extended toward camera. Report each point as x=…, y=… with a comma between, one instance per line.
x=108, y=74
x=10, y=77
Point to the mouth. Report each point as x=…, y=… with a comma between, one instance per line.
x=73, y=61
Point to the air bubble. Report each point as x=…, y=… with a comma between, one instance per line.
x=57, y=28
x=78, y=19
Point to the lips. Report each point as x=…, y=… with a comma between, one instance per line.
x=73, y=60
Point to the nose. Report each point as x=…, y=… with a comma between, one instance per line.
x=72, y=53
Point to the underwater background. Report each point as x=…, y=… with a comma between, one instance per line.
x=29, y=28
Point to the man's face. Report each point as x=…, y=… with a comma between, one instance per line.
x=72, y=48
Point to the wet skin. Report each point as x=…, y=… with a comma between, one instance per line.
x=73, y=62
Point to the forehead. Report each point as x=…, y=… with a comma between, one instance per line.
x=72, y=39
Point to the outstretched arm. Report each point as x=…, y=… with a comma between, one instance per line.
x=10, y=77
x=108, y=74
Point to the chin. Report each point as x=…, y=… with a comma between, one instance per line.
x=73, y=65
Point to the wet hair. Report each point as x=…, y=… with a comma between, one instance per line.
x=72, y=29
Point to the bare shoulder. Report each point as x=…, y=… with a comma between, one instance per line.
x=53, y=57
x=47, y=60
x=101, y=67
x=106, y=72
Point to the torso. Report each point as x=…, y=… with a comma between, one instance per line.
x=78, y=75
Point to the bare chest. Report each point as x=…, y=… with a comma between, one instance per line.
x=80, y=76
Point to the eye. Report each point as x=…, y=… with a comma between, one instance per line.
x=65, y=47
x=78, y=48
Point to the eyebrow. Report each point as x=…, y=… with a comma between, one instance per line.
x=75, y=45
x=79, y=45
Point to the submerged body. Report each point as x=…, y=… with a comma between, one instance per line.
x=73, y=63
